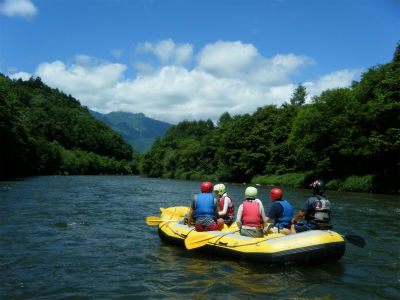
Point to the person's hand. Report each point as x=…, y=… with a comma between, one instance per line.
x=293, y=221
x=268, y=227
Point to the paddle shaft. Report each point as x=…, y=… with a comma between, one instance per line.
x=356, y=240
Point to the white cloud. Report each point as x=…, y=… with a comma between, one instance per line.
x=93, y=85
x=18, y=8
x=228, y=76
x=243, y=61
x=228, y=58
x=168, y=52
x=21, y=75
x=337, y=79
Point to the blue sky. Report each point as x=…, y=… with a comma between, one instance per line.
x=186, y=59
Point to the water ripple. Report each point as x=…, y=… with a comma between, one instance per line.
x=85, y=237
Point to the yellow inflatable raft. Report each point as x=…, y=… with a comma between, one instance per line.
x=310, y=246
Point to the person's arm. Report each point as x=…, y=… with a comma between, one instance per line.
x=308, y=205
x=216, y=207
x=298, y=216
x=192, y=207
x=239, y=216
x=262, y=213
x=272, y=213
x=226, y=205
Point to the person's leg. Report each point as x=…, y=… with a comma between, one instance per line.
x=304, y=227
x=228, y=221
x=252, y=232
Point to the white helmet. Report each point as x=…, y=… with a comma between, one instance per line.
x=220, y=188
x=250, y=192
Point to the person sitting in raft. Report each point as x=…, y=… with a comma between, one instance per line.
x=203, y=209
x=280, y=213
x=316, y=211
x=251, y=215
x=225, y=204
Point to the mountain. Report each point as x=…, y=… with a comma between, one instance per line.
x=137, y=129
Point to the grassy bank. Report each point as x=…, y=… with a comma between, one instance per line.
x=302, y=180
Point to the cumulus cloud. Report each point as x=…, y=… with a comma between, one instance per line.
x=168, y=52
x=243, y=61
x=21, y=75
x=226, y=76
x=337, y=79
x=18, y=8
x=92, y=84
x=228, y=58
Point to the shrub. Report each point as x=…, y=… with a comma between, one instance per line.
x=334, y=184
x=358, y=183
x=297, y=180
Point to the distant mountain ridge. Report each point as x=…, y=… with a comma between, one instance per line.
x=135, y=128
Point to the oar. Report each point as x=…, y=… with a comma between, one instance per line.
x=355, y=240
x=154, y=221
x=167, y=210
x=201, y=238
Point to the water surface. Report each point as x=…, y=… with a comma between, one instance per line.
x=85, y=237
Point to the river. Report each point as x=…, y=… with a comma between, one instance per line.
x=85, y=237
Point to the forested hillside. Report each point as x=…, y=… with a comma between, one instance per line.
x=137, y=129
x=44, y=131
x=349, y=136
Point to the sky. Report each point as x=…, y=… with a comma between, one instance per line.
x=177, y=60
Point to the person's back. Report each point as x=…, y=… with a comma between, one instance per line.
x=251, y=215
x=204, y=209
x=226, y=208
x=316, y=211
x=281, y=213
x=319, y=210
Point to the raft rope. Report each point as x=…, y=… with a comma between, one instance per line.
x=242, y=245
x=184, y=236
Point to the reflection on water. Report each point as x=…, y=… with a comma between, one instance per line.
x=86, y=237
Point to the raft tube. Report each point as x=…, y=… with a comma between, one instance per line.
x=314, y=246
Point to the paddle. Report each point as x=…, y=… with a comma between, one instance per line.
x=355, y=240
x=154, y=221
x=201, y=238
x=167, y=210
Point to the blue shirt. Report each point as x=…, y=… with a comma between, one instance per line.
x=276, y=211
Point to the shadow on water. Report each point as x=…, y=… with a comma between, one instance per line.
x=201, y=274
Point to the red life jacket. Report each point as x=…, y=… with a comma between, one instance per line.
x=251, y=214
x=231, y=210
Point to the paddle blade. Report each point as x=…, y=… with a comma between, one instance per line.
x=154, y=221
x=167, y=211
x=197, y=240
x=355, y=240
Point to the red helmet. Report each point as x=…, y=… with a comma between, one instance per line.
x=276, y=194
x=206, y=187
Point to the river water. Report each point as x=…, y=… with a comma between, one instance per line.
x=85, y=237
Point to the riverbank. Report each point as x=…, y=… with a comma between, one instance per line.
x=364, y=184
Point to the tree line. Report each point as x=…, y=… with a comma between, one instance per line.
x=348, y=136
x=44, y=131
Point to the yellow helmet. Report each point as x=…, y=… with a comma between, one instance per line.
x=250, y=192
x=220, y=188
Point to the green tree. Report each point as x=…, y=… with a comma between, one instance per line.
x=299, y=96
